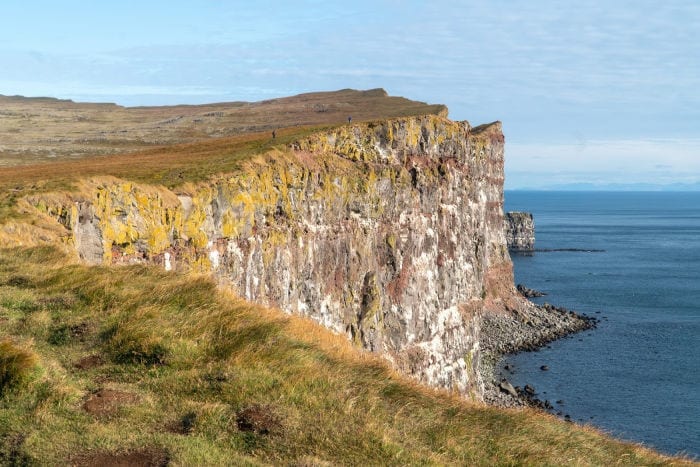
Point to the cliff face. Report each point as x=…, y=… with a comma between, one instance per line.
x=391, y=233
x=520, y=231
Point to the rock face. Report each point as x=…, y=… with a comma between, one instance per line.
x=520, y=231
x=391, y=233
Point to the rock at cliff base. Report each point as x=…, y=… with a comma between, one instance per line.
x=508, y=388
x=528, y=292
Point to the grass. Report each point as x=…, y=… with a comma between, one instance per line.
x=16, y=365
x=214, y=380
x=170, y=166
x=96, y=140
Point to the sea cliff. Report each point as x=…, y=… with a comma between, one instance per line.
x=388, y=232
x=520, y=231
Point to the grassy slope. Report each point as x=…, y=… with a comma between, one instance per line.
x=187, y=352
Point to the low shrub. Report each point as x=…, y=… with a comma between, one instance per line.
x=131, y=344
x=16, y=365
x=59, y=335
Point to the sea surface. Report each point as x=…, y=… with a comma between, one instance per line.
x=638, y=375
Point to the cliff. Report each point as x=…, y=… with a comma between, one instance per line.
x=390, y=233
x=520, y=231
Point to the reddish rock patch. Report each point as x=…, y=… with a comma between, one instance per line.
x=398, y=285
x=107, y=401
x=149, y=457
x=91, y=361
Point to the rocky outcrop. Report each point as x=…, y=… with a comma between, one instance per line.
x=389, y=232
x=520, y=231
x=528, y=292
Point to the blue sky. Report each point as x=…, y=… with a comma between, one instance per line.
x=600, y=92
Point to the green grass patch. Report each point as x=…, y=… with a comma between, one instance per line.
x=168, y=364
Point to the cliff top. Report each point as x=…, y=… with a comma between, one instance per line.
x=174, y=165
x=43, y=129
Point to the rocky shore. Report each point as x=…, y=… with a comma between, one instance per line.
x=526, y=329
x=528, y=292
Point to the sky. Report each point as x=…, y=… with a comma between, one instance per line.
x=591, y=93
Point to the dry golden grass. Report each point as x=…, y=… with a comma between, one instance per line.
x=169, y=166
x=236, y=383
x=16, y=365
x=97, y=140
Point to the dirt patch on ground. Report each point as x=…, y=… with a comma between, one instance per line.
x=184, y=425
x=79, y=331
x=21, y=282
x=11, y=452
x=91, y=361
x=258, y=418
x=150, y=457
x=106, y=402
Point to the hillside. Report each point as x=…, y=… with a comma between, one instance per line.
x=44, y=129
x=136, y=364
x=151, y=356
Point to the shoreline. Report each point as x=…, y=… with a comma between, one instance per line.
x=524, y=330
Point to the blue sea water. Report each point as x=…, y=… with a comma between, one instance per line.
x=638, y=375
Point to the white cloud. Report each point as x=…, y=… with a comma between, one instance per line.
x=655, y=161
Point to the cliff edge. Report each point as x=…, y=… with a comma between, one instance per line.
x=389, y=232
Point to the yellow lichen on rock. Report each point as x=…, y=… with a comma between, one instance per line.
x=157, y=238
x=194, y=225
x=230, y=226
x=335, y=169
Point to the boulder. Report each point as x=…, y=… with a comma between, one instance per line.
x=508, y=388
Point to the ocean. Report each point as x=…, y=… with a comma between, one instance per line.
x=637, y=376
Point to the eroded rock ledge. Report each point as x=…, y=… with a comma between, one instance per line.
x=389, y=232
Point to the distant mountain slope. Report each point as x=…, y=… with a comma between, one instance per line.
x=45, y=129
